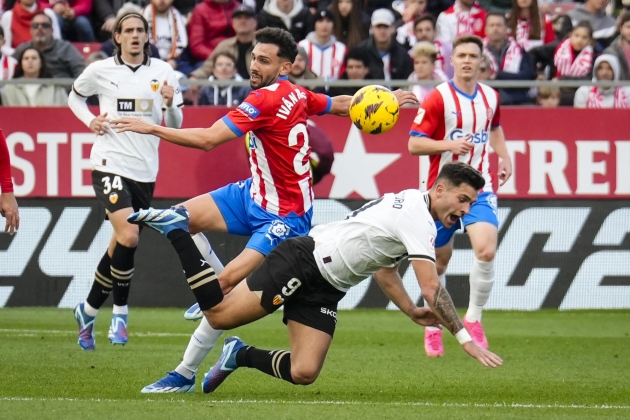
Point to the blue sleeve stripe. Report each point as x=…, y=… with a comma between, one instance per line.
x=417, y=134
x=328, y=106
x=232, y=126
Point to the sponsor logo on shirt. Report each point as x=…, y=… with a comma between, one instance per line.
x=419, y=116
x=250, y=110
x=480, y=137
x=135, y=107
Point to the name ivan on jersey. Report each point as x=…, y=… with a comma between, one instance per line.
x=289, y=103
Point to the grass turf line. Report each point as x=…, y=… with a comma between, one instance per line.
x=376, y=368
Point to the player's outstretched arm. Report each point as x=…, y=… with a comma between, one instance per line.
x=198, y=138
x=497, y=142
x=442, y=305
x=390, y=283
x=340, y=105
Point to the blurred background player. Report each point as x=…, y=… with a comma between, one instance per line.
x=271, y=206
x=456, y=122
x=124, y=165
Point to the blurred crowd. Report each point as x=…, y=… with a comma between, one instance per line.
x=338, y=40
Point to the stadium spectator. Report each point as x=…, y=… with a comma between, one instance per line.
x=388, y=59
x=240, y=46
x=32, y=65
x=484, y=68
x=542, y=56
x=462, y=18
x=405, y=34
x=573, y=59
x=224, y=69
x=325, y=53
x=211, y=23
x=7, y=63
x=8, y=205
x=594, y=11
x=16, y=23
x=606, y=69
x=349, y=25
x=508, y=60
x=290, y=15
x=424, y=30
x=301, y=68
x=105, y=13
x=528, y=26
x=62, y=58
x=108, y=46
x=548, y=97
x=167, y=30
x=620, y=47
x=72, y=16
x=424, y=55
x=357, y=67
x=409, y=10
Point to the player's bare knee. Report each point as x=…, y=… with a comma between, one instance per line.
x=486, y=254
x=215, y=322
x=128, y=237
x=303, y=375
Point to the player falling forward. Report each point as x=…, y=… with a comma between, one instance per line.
x=456, y=122
x=271, y=206
x=124, y=165
x=309, y=275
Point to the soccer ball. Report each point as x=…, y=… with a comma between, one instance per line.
x=374, y=109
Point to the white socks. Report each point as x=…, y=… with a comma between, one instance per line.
x=481, y=282
x=205, y=337
x=121, y=310
x=202, y=341
x=89, y=310
x=442, y=278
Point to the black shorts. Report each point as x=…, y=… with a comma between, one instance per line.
x=289, y=276
x=116, y=192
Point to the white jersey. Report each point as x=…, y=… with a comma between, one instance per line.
x=379, y=234
x=125, y=92
x=326, y=62
x=448, y=114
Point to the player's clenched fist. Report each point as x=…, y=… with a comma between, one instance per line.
x=100, y=124
x=461, y=146
x=167, y=92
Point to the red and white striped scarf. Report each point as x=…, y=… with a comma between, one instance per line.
x=567, y=66
x=522, y=34
x=468, y=22
x=512, y=60
x=596, y=100
x=7, y=68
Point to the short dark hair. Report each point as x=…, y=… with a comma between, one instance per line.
x=586, y=25
x=118, y=29
x=458, y=173
x=44, y=73
x=287, y=48
x=497, y=14
x=356, y=54
x=42, y=14
x=422, y=18
x=468, y=39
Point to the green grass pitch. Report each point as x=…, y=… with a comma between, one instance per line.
x=566, y=365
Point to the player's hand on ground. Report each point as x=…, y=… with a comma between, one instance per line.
x=132, y=124
x=485, y=357
x=9, y=209
x=505, y=170
x=100, y=124
x=404, y=97
x=424, y=317
x=167, y=92
x=461, y=146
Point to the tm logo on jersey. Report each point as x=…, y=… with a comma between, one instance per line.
x=477, y=138
x=277, y=231
x=135, y=107
x=250, y=110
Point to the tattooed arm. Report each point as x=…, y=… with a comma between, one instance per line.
x=442, y=305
